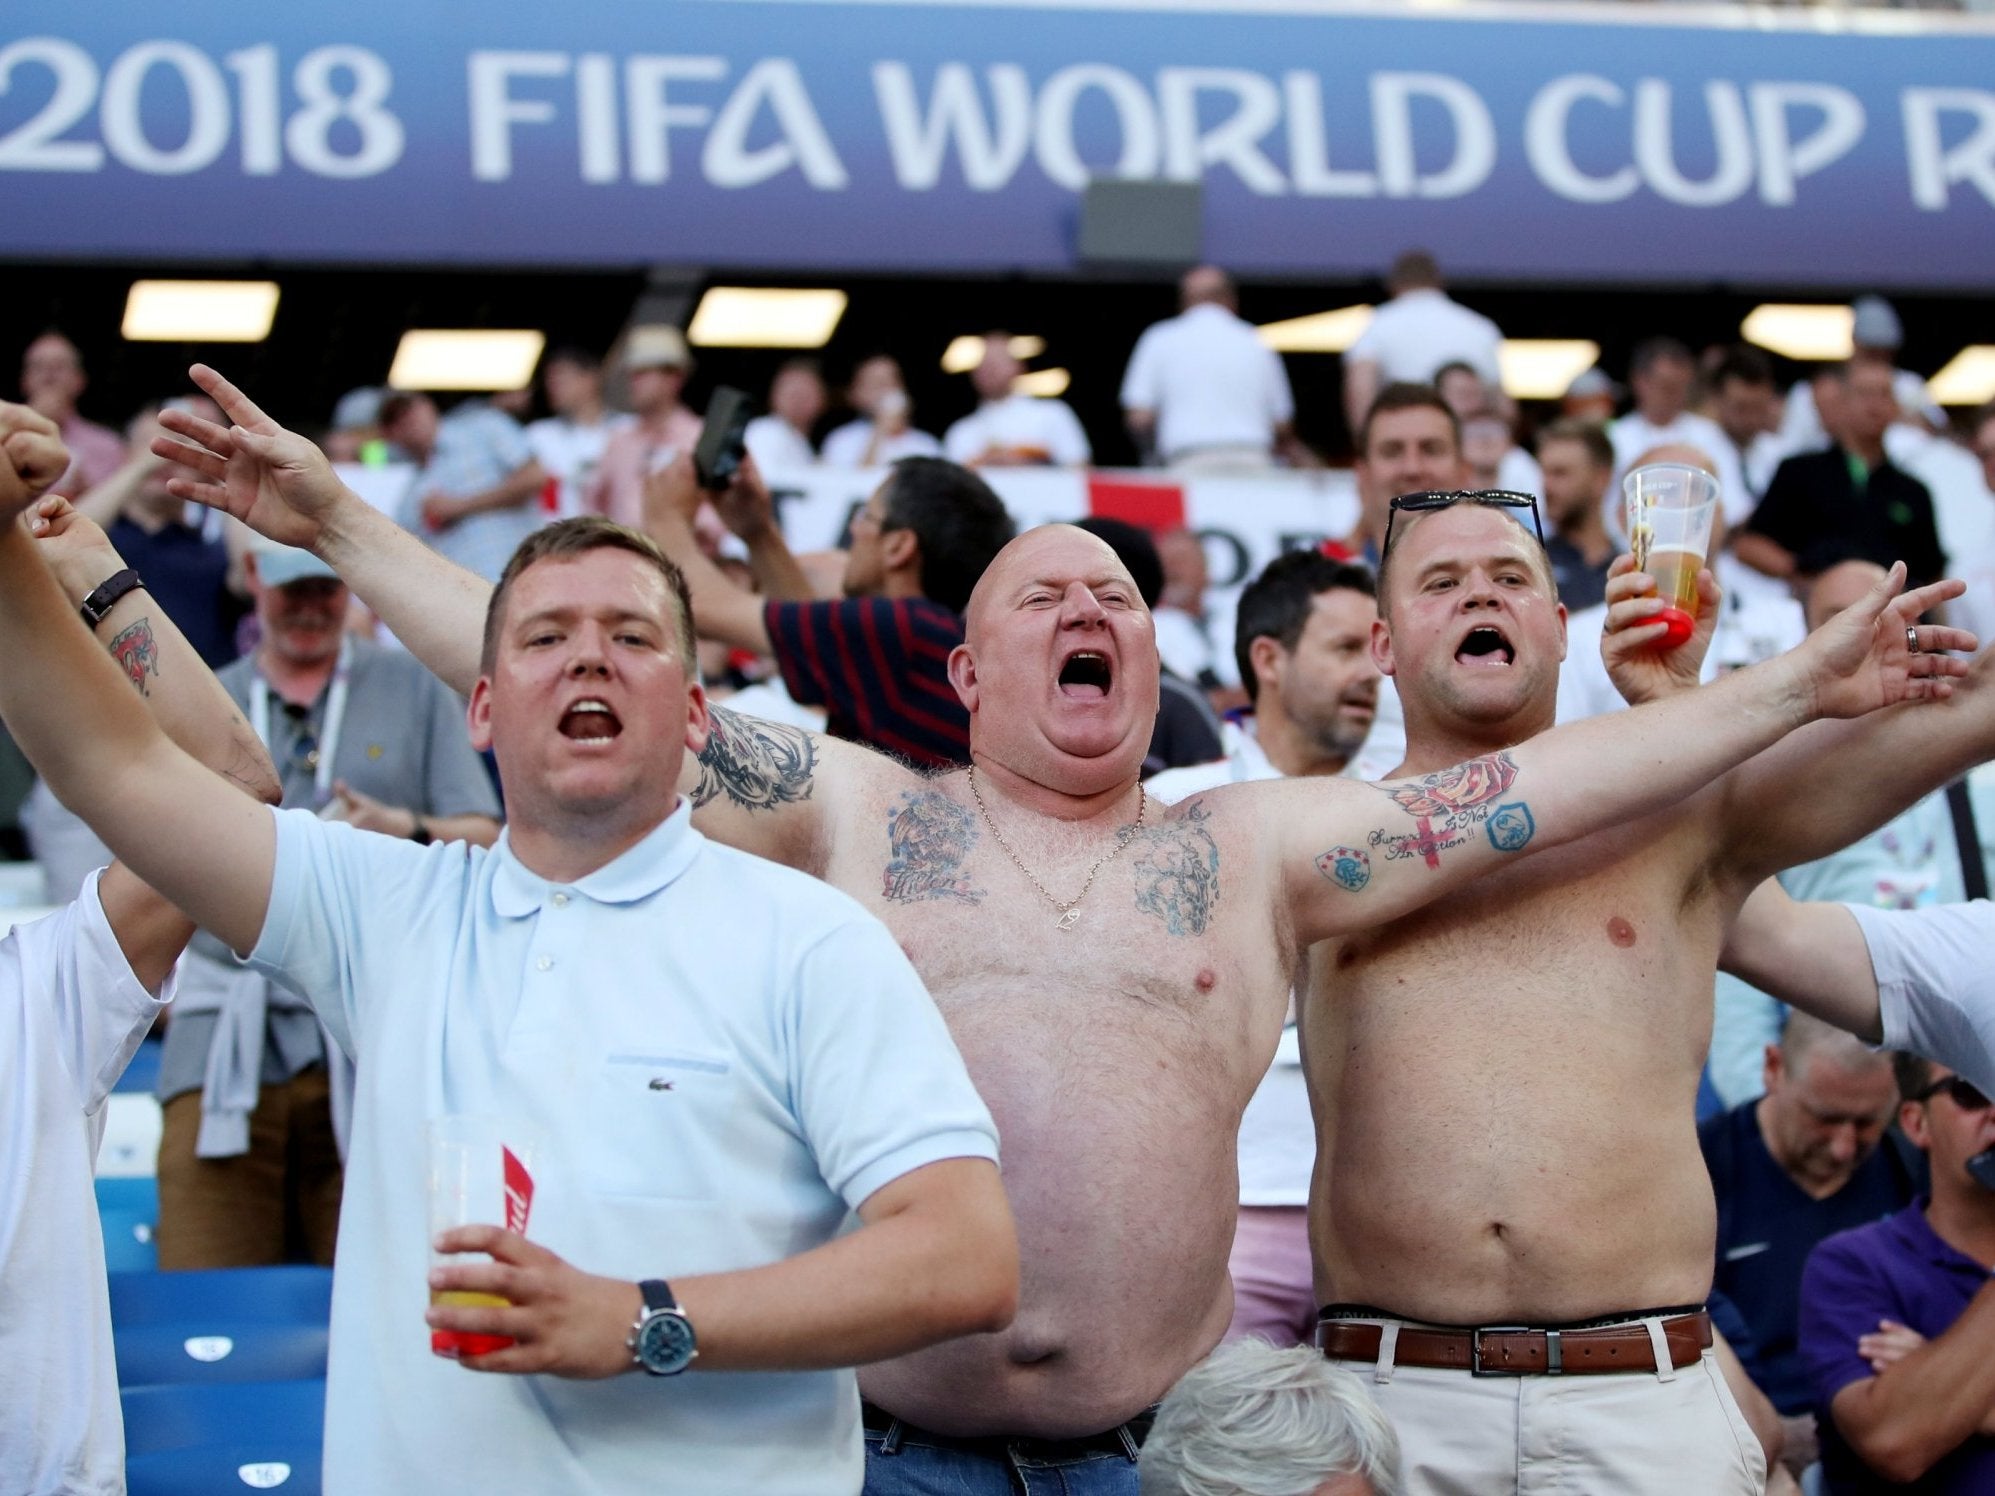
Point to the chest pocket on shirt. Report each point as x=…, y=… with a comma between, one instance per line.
x=661, y=1120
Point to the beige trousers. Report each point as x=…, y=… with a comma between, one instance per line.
x=1627, y=1433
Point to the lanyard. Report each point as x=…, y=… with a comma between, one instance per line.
x=335, y=717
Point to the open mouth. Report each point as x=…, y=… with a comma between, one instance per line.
x=1086, y=675
x=590, y=721
x=1486, y=648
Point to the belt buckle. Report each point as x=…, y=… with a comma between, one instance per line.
x=1476, y=1368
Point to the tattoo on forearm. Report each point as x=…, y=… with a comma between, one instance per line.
x=928, y=836
x=138, y=651
x=1177, y=872
x=758, y=765
x=1448, y=807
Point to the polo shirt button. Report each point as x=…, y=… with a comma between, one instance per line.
x=561, y=901
x=544, y=963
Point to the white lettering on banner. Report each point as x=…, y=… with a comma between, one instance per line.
x=1546, y=131
x=1655, y=150
x=1783, y=161
x=37, y=144
x=653, y=116
x=308, y=137
x=1309, y=144
x=1235, y=141
x=494, y=111
x=728, y=161
x=988, y=150
x=207, y=109
x=1392, y=135
x=596, y=107
x=1936, y=166
x=1053, y=130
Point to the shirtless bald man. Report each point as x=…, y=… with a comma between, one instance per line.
x=1504, y=1080
x=1114, y=972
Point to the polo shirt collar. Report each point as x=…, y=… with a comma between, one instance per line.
x=1917, y=1234
x=666, y=852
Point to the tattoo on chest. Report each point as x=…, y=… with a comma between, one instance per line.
x=137, y=650
x=1177, y=871
x=758, y=765
x=1448, y=808
x=928, y=836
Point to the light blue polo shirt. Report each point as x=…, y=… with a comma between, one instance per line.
x=721, y=1056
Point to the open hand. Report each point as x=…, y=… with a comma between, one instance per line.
x=273, y=480
x=32, y=457
x=1865, y=657
x=563, y=1321
x=1640, y=670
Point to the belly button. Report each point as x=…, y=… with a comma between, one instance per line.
x=1620, y=932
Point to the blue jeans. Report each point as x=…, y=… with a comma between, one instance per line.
x=904, y=1461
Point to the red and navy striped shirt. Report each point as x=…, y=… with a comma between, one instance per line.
x=880, y=668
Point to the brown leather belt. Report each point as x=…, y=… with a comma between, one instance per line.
x=1513, y=1350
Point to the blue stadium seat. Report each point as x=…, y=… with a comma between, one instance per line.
x=213, y=1469
x=298, y=1294
x=243, y=1419
x=219, y=1350
x=129, y=1212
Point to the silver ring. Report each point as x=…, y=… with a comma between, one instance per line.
x=1912, y=640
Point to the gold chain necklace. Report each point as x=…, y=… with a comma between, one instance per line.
x=1070, y=911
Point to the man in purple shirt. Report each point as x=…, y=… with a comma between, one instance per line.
x=1898, y=1317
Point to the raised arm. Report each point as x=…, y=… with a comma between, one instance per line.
x=282, y=486
x=1810, y=956
x=1348, y=861
x=721, y=610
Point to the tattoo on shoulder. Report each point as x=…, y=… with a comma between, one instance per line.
x=1177, y=871
x=137, y=650
x=758, y=765
x=1447, y=807
x=928, y=836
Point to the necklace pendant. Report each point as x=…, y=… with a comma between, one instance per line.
x=1071, y=918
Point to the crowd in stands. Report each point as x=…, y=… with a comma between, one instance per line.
x=1833, y=1330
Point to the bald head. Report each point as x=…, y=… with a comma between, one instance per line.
x=1207, y=285
x=1803, y=1037
x=1043, y=551
x=1841, y=586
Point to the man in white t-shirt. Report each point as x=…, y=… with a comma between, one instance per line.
x=1011, y=429
x=1414, y=335
x=1304, y=646
x=570, y=442
x=1202, y=391
x=781, y=439
x=1661, y=373
x=78, y=991
x=884, y=432
x=722, y=1059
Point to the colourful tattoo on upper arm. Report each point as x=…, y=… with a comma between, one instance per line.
x=1448, y=806
x=137, y=650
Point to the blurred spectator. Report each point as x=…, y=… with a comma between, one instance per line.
x=1489, y=431
x=1798, y=1165
x=1592, y=396
x=797, y=401
x=1897, y=1317
x=52, y=381
x=1849, y=500
x=1577, y=464
x=1184, y=633
x=1745, y=402
x=355, y=435
x=476, y=494
x=249, y=1163
x=1661, y=373
x=1414, y=335
x=1011, y=429
x=1187, y=729
x=1202, y=392
x=1975, y=609
x=1875, y=333
x=877, y=659
x=656, y=364
x=1251, y=1420
x=885, y=431
x=569, y=444
x=1303, y=639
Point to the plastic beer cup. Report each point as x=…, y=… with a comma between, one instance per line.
x=1670, y=510
x=480, y=1174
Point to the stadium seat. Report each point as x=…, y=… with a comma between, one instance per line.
x=219, y=1350
x=293, y=1294
x=204, y=1440
x=129, y=1212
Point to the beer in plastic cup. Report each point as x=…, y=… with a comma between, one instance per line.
x=480, y=1174
x=1670, y=510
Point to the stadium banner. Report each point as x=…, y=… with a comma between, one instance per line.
x=1601, y=143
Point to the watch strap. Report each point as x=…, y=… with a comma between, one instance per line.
x=106, y=595
x=657, y=1295
x=420, y=833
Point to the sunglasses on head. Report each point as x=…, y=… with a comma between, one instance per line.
x=1964, y=1093
x=1447, y=498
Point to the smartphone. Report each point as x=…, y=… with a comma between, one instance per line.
x=722, y=444
x=1982, y=1167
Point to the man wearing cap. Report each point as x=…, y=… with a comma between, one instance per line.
x=477, y=496
x=249, y=1169
x=656, y=365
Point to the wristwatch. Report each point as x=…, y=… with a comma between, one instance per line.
x=107, y=594
x=419, y=833
x=662, y=1339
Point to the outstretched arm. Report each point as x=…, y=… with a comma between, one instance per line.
x=1811, y=956
x=282, y=487
x=721, y=610
x=1347, y=864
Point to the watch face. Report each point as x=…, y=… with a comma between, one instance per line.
x=665, y=1344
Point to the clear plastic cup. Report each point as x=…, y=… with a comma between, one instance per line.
x=1670, y=512
x=480, y=1174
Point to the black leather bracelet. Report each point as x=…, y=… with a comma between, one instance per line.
x=105, y=596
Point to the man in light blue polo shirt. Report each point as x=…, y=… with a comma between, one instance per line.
x=722, y=1059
